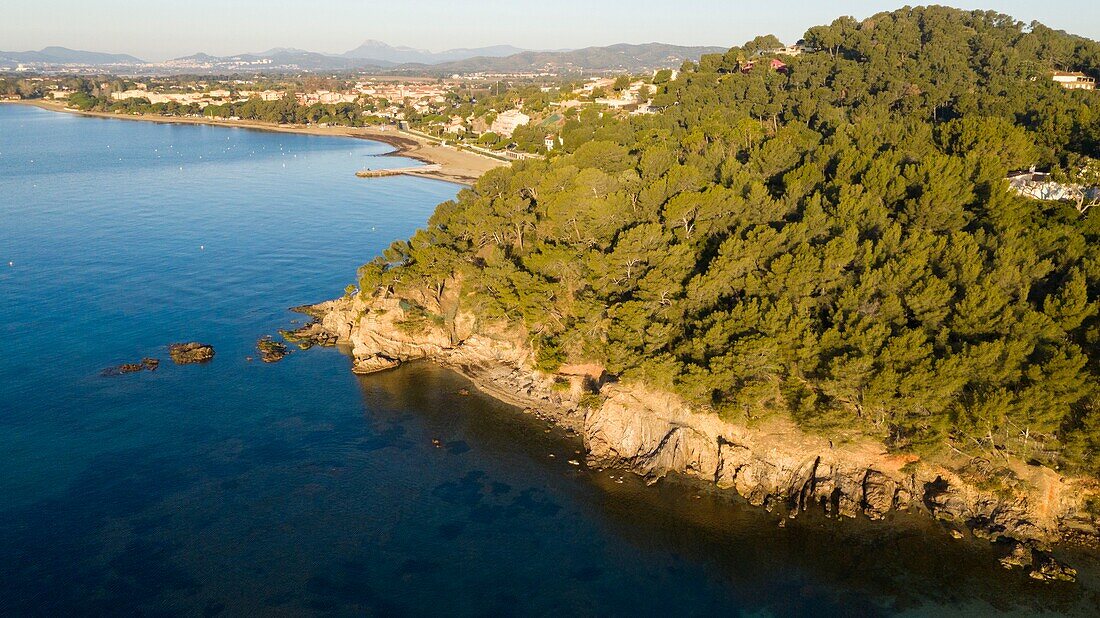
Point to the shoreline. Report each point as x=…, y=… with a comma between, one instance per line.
x=775, y=465
x=455, y=166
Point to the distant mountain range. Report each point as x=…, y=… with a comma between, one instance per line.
x=371, y=54
x=379, y=52
x=495, y=59
x=375, y=55
x=278, y=59
x=621, y=57
x=64, y=55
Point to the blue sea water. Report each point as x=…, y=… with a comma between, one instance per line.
x=240, y=488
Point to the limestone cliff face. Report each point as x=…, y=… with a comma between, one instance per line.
x=772, y=463
x=775, y=464
x=385, y=332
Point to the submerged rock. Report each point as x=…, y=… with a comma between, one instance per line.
x=1018, y=557
x=271, y=351
x=192, y=352
x=121, y=369
x=149, y=364
x=1038, y=564
x=1046, y=568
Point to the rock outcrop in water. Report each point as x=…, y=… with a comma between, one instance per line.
x=771, y=463
x=146, y=364
x=310, y=334
x=271, y=351
x=188, y=353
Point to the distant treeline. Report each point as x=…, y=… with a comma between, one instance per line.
x=282, y=111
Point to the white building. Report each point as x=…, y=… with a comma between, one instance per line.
x=130, y=94
x=506, y=122
x=617, y=102
x=789, y=50
x=264, y=95
x=327, y=97
x=1074, y=80
x=155, y=97
x=1038, y=185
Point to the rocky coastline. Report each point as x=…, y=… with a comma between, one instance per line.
x=1025, y=510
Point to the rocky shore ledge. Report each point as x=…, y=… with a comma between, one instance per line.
x=1026, y=510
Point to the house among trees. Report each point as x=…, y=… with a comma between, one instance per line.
x=1074, y=80
x=788, y=50
x=455, y=126
x=775, y=64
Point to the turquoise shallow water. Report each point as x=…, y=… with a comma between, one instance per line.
x=241, y=488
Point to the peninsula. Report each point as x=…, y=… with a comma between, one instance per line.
x=806, y=279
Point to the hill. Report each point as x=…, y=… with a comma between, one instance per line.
x=832, y=242
x=273, y=60
x=620, y=57
x=379, y=56
x=382, y=54
x=64, y=55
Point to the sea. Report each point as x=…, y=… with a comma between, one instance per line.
x=237, y=487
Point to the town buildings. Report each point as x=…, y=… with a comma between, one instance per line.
x=326, y=97
x=202, y=99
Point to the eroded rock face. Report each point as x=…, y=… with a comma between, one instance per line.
x=772, y=464
x=373, y=364
x=649, y=437
x=188, y=353
x=777, y=464
x=654, y=434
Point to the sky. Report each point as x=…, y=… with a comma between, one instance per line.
x=157, y=30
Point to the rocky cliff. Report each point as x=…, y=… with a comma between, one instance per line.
x=771, y=463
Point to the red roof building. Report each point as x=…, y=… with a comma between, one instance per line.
x=775, y=64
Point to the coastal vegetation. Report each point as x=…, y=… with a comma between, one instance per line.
x=835, y=241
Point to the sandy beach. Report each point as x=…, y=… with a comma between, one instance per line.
x=458, y=166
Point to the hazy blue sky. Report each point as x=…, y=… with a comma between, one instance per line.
x=157, y=30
